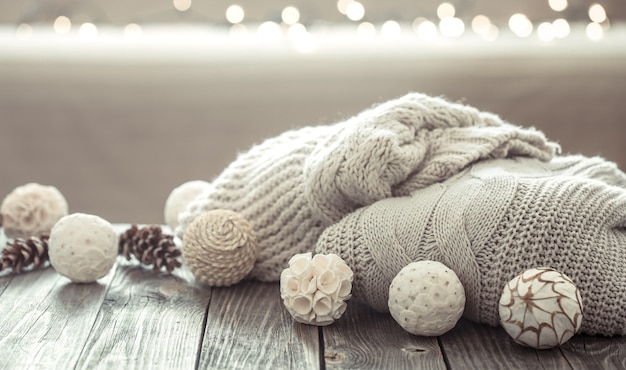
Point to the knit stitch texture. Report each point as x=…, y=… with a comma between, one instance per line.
x=491, y=222
x=291, y=187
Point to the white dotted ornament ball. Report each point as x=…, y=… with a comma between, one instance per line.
x=315, y=289
x=426, y=298
x=82, y=247
x=220, y=247
x=180, y=197
x=32, y=210
x=541, y=308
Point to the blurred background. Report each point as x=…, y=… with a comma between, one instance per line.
x=118, y=102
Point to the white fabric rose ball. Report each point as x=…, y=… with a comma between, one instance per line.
x=180, y=197
x=82, y=247
x=426, y=298
x=32, y=210
x=315, y=289
x=541, y=308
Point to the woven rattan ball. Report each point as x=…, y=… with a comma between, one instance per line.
x=220, y=248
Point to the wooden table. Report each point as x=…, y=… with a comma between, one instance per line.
x=136, y=318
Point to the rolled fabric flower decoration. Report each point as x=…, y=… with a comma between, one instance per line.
x=315, y=289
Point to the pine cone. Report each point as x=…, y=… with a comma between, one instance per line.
x=150, y=246
x=21, y=253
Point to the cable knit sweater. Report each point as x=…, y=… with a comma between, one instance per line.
x=491, y=222
x=293, y=186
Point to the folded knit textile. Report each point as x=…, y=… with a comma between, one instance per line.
x=491, y=222
x=291, y=187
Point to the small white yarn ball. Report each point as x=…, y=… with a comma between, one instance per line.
x=541, y=308
x=426, y=298
x=315, y=289
x=32, y=210
x=82, y=247
x=180, y=197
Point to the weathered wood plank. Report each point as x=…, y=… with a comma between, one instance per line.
x=595, y=352
x=45, y=319
x=476, y=346
x=148, y=319
x=365, y=339
x=248, y=328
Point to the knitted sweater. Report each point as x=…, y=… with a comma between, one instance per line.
x=491, y=222
x=291, y=187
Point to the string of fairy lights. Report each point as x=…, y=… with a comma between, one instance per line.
x=446, y=24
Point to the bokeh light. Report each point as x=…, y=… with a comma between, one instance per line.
x=355, y=11
x=520, y=25
x=391, y=29
x=269, y=31
x=62, y=25
x=24, y=32
x=133, y=32
x=545, y=31
x=445, y=10
x=451, y=27
x=342, y=6
x=480, y=24
x=366, y=30
x=427, y=30
x=597, y=13
x=560, y=28
x=88, y=31
x=594, y=31
x=182, y=5
x=235, y=14
x=290, y=15
x=558, y=5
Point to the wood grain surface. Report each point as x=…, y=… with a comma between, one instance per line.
x=136, y=318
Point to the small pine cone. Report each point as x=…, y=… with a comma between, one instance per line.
x=21, y=253
x=151, y=247
x=126, y=242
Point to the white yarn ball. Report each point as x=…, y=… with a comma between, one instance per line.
x=541, y=308
x=82, y=247
x=180, y=197
x=32, y=210
x=426, y=298
x=315, y=289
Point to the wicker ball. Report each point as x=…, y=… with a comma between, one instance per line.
x=220, y=248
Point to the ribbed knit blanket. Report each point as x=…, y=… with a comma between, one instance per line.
x=491, y=222
x=292, y=187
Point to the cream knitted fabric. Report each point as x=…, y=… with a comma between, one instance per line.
x=493, y=221
x=293, y=186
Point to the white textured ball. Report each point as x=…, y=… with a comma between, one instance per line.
x=180, y=197
x=82, y=247
x=541, y=308
x=32, y=210
x=426, y=298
